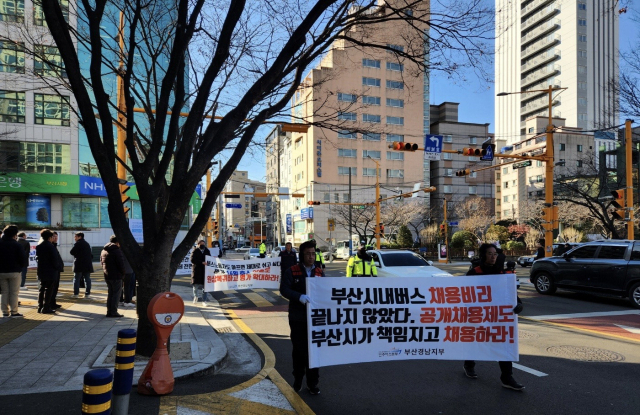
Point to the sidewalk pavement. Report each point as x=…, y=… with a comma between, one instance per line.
x=51, y=353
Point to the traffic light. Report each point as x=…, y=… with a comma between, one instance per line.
x=215, y=229
x=402, y=146
x=619, y=212
x=123, y=195
x=381, y=228
x=549, y=217
x=313, y=202
x=443, y=231
x=464, y=172
x=470, y=151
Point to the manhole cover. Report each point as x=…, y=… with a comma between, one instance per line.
x=523, y=334
x=224, y=329
x=585, y=354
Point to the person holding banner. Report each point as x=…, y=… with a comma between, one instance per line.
x=293, y=287
x=488, y=266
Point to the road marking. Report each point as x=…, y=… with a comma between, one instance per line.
x=633, y=330
x=258, y=300
x=529, y=370
x=583, y=315
x=229, y=291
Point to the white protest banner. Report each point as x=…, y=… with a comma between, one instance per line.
x=185, y=266
x=354, y=320
x=224, y=274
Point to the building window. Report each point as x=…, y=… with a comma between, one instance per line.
x=394, y=84
x=395, y=137
x=370, y=81
x=12, y=11
x=347, y=116
x=582, y=22
x=48, y=62
x=582, y=116
x=474, y=158
x=368, y=172
x=345, y=198
x=506, y=199
x=371, y=118
x=347, y=152
x=371, y=63
x=473, y=140
x=336, y=197
x=447, y=156
x=507, y=212
x=505, y=170
x=398, y=103
x=371, y=136
x=563, y=146
x=393, y=66
x=473, y=174
x=395, y=120
x=327, y=198
x=582, y=86
x=448, y=188
x=538, y=163
x=582, y=6
x=582, y=38
x=539, y=178
x=582, y=102
x=371, y=153
x=12, y=106
x=579, y=163
x=38, y=13
x=369, y=100
x=392, y=173
x=26, y=157
x=579, y=148
x=582, y=53
x=51, y=109
x=81, y=212
x=296, y=145
x=395, y=47
x=505, y=185
x=473, y=190
x=497, y=202
x=447, y=139
x=531, y=130
x=395, y=155
x=582, y=69
x=347, y=134
x=11, y=57
x=344, y=171
x=347, y=97
x=448, y=172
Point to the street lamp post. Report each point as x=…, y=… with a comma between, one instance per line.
x=549, y=163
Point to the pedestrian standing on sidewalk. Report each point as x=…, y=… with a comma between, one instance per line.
x=294, y=288
x=56, y=284
x=112, y=260
x=488, y=257
x=82, y=265
x=12, y=261
x=48, y=269
x=26, y=246
x=198, y=263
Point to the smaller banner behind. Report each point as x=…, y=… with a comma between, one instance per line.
x=184, y=267
x=353, y=320
x=222, y=274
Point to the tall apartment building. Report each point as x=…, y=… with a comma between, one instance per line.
x=456, y=136
x=239, y=222
x=372, y=98
x=565, y=43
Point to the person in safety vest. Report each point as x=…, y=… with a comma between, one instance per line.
x=361, y=265
x=263, y=250
x=319, y=261
x=488, y=266
x=294, y=288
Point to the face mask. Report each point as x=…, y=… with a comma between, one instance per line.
x=202, y=247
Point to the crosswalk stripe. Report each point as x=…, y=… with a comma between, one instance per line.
x=229, y=291
x=258, y=300
x=529, y=370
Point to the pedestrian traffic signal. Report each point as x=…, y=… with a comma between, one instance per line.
x=619, y=212
x=464, y=172
x=402, y=146
x=313, y=202
x=443, y=231
x=123, y=195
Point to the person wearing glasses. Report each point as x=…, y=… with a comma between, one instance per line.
x=293, y=287
x=488, y=258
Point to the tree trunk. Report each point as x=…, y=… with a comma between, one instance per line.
x=154, y=279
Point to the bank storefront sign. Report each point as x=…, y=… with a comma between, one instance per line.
x=39, y=183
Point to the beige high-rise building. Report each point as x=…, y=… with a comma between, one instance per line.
x=571, y=44
x=371, y=98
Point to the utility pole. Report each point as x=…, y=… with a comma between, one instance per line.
x=629, y=173
x=350, y=217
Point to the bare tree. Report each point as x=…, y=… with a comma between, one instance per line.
x=238, y=62
x=473, y=215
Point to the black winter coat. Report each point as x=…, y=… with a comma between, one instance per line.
x=112, y=260
x=197, y=266
x=82, y=256
x=488, y=270
x=12, y=256
x=50, y=264
x=287, y=260
x=293, y=285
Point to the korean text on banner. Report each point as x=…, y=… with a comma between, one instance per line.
x=353, y=320
x=184, y=268
x=222, y=274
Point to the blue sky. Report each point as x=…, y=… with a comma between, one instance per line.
x=475, y=97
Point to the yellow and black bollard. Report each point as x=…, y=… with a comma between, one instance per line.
x=123, y=374
x=96, y=392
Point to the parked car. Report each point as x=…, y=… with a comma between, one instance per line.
x=397, y=263
x=276, y=251
x=327, y=256
x=603, y=267
x=252, y=253
x=242, y=250
x=527, y=260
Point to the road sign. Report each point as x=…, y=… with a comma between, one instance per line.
x=359, y=206
x=488, y=155
x=453, y=223
x=432, y=147
x=233, y=205
x=331, y=225
x=521, y=164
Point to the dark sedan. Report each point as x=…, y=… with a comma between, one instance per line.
x=604, y=267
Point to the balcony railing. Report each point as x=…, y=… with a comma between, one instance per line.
x=539, y=75
x=540, y=45
x=541, y=85
x=540, y=60
x=537, y=105
x=540, y=16
x=541, y=30
x=531, y=7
